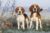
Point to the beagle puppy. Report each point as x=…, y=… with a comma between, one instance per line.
x=22, y=18
x=35, y=15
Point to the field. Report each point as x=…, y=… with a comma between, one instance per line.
x=46, y=28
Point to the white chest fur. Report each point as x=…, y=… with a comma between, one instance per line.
x=34, y=14
x=20, y=18
x=34, y=17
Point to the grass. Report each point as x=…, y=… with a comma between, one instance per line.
x=46, y=28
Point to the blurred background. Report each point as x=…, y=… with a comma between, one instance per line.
x=7, y=7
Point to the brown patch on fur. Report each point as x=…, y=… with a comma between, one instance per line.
x=25, y=15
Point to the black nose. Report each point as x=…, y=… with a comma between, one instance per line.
x=34, y=8
x=19, y=11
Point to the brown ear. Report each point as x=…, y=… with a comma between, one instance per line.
x=31, y=8
x=16, y=10
x=23, y=10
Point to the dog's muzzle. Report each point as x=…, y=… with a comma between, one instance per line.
x=19, y=12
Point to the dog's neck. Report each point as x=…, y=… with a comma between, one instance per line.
x=20, y=14
x=35, y=14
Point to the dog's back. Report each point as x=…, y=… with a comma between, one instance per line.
x=25, y=15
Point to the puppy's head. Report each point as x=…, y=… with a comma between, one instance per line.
x=20, y=10
x=35, y=8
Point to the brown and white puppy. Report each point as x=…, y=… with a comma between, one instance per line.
x=35, y=15
x=22, y=18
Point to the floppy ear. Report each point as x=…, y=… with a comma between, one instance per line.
x=31, y=8
x=23, y=10
x=16, y=10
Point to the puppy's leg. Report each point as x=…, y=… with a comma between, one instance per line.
x=18, y=25
x=31, y=24
x=40, y=23
x=23, y=24
x=36, y=23
x=27, y=23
